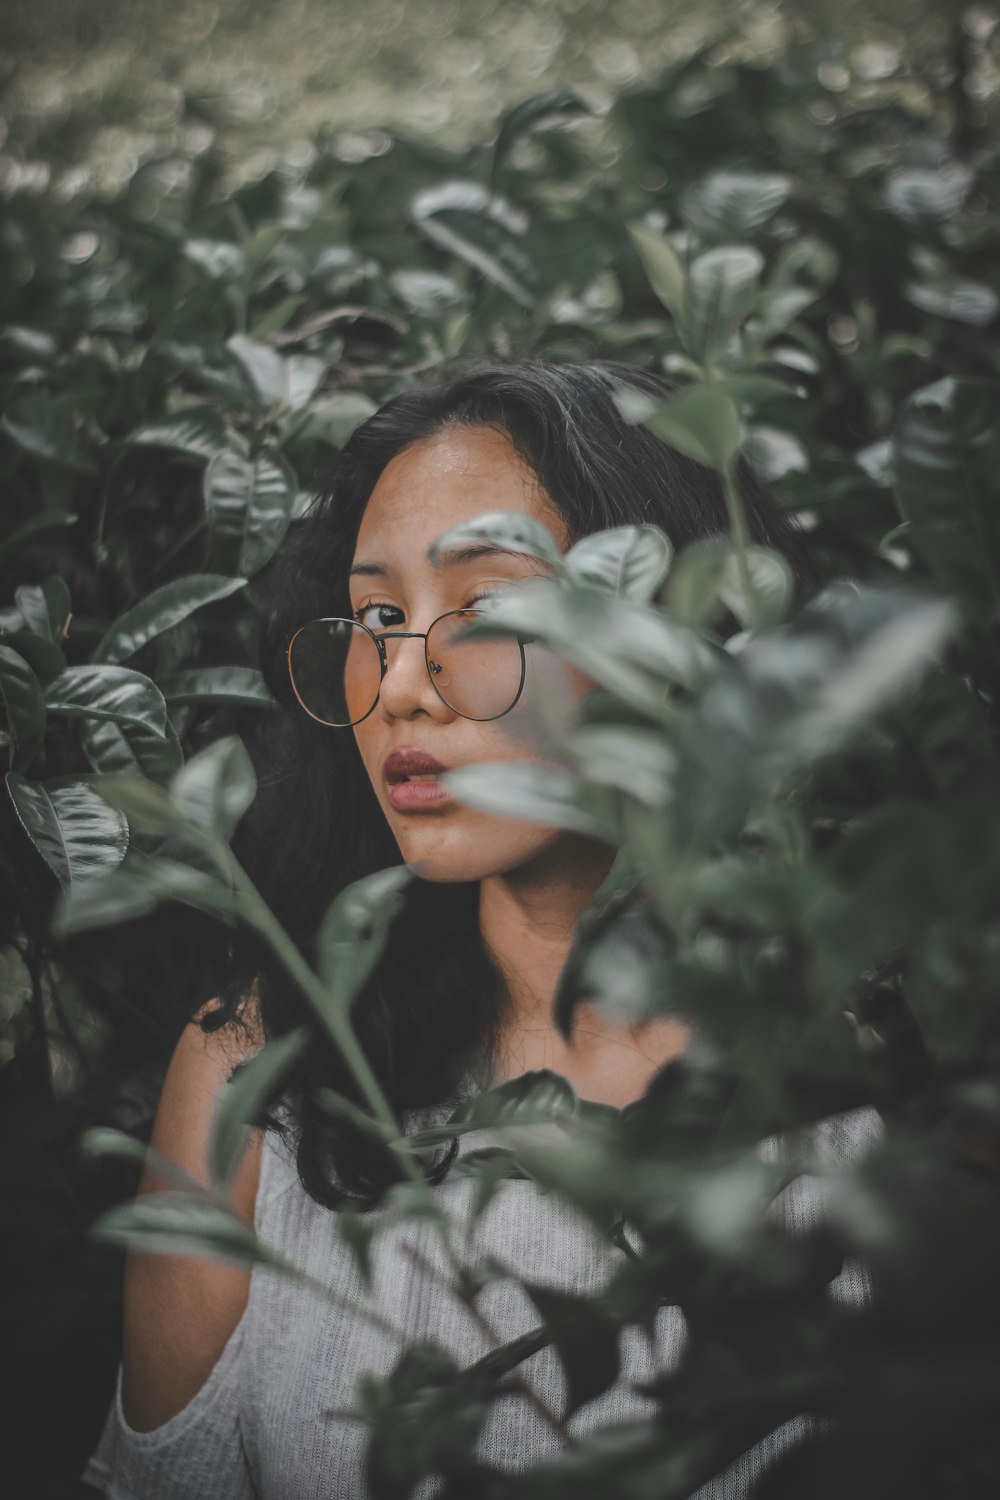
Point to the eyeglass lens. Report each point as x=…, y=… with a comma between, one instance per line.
x=336, y=669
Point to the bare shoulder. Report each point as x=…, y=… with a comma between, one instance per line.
x=199, y=1070
x=181, y=1310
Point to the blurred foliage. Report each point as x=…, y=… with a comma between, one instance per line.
x=806, y=813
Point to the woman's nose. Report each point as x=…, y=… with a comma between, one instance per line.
x=406, y=687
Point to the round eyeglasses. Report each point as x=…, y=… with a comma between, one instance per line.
x=337, y=667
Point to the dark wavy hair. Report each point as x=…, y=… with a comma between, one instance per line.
x=430, y=1016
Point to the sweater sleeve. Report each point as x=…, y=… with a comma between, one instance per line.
x=202, y=1449
x=198, y=1452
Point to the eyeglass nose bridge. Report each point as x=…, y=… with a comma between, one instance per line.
x=405, y=635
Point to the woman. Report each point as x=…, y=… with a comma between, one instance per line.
x=235, y=1385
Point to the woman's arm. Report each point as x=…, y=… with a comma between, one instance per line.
x=181, y=1310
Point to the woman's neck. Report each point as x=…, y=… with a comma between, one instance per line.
x=528, y=919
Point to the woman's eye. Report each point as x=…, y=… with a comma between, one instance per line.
x=379, y=616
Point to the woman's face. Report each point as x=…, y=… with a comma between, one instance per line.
x=424, y=491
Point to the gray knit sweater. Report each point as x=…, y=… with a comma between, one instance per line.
x=271, y=1423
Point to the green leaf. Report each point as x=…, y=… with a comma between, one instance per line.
x=137, y=888
x=797, y=695
x=100, y=692
x=585, y=1338
x=699, y=421
x=638, y=762
x=243, y=686
x=174, y=1223
x=24, y=704
x=30, y=600
x=731, y=205
x=243, y=1097
x=35, y=526
x=248, y=503
x=772, y=588
x=540, y=112
x=633, y=651
x=43, y=656
x=216, y=787
x=540, y=1096
x=630, y=560
x=73, y=829
x=963, y=301
x=264, y=369
x=520, y=789
x=467, y=221
x=160, y=611
x=48, y=427
x=333, y=418
x=146, y=805
x=353, y=933
x=947, y=461
x=101, y=1140
x=722, y=288
x=774, y=454
x=199, y=432
x=111, y=748
x=663, y=267
x=692, y=594
x=923, y=195
x=510, y=529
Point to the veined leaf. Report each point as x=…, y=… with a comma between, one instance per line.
x=173, y=1223
x=722, y=288
x=248, y=503
x=947, y=463
x=236, y=685
x=699, y=421
x=729, y=205
x=111, y=748
x=216, y=787
x=199, y=431
x=137, y=887
x=49, y=427
x=630, y=560
x=664, y=268
x=24, y=703
x=509, y=529
x=243, y=1097
x=354, y=931
x=540, y=112
x=160, y=611
x=464, y=219
x=73, y=829
x=33, y=527
x=108, y=692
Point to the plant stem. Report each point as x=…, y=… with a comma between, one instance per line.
x=738, y=530
x=336, y=1021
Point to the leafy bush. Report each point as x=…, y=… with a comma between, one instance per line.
x=807, y=812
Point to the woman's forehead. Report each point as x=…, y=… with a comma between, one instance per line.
x=443, y=480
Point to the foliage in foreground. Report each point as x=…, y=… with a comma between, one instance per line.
x=805, y=813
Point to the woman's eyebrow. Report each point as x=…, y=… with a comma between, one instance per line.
x=455, y=556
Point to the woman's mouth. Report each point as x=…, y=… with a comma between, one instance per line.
x=411, y=776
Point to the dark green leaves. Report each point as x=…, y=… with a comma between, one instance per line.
x=161, y=610
x=586, y=1339
x=248, y=503
x=73, y=829
x=115, y=693
x=23, y=704
x=483, y=231
x=947, y=462
x=354, y=931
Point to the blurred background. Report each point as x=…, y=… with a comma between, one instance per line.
x=198, y=198
x=89, y=89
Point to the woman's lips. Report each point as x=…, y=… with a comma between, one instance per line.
x=411, y=777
